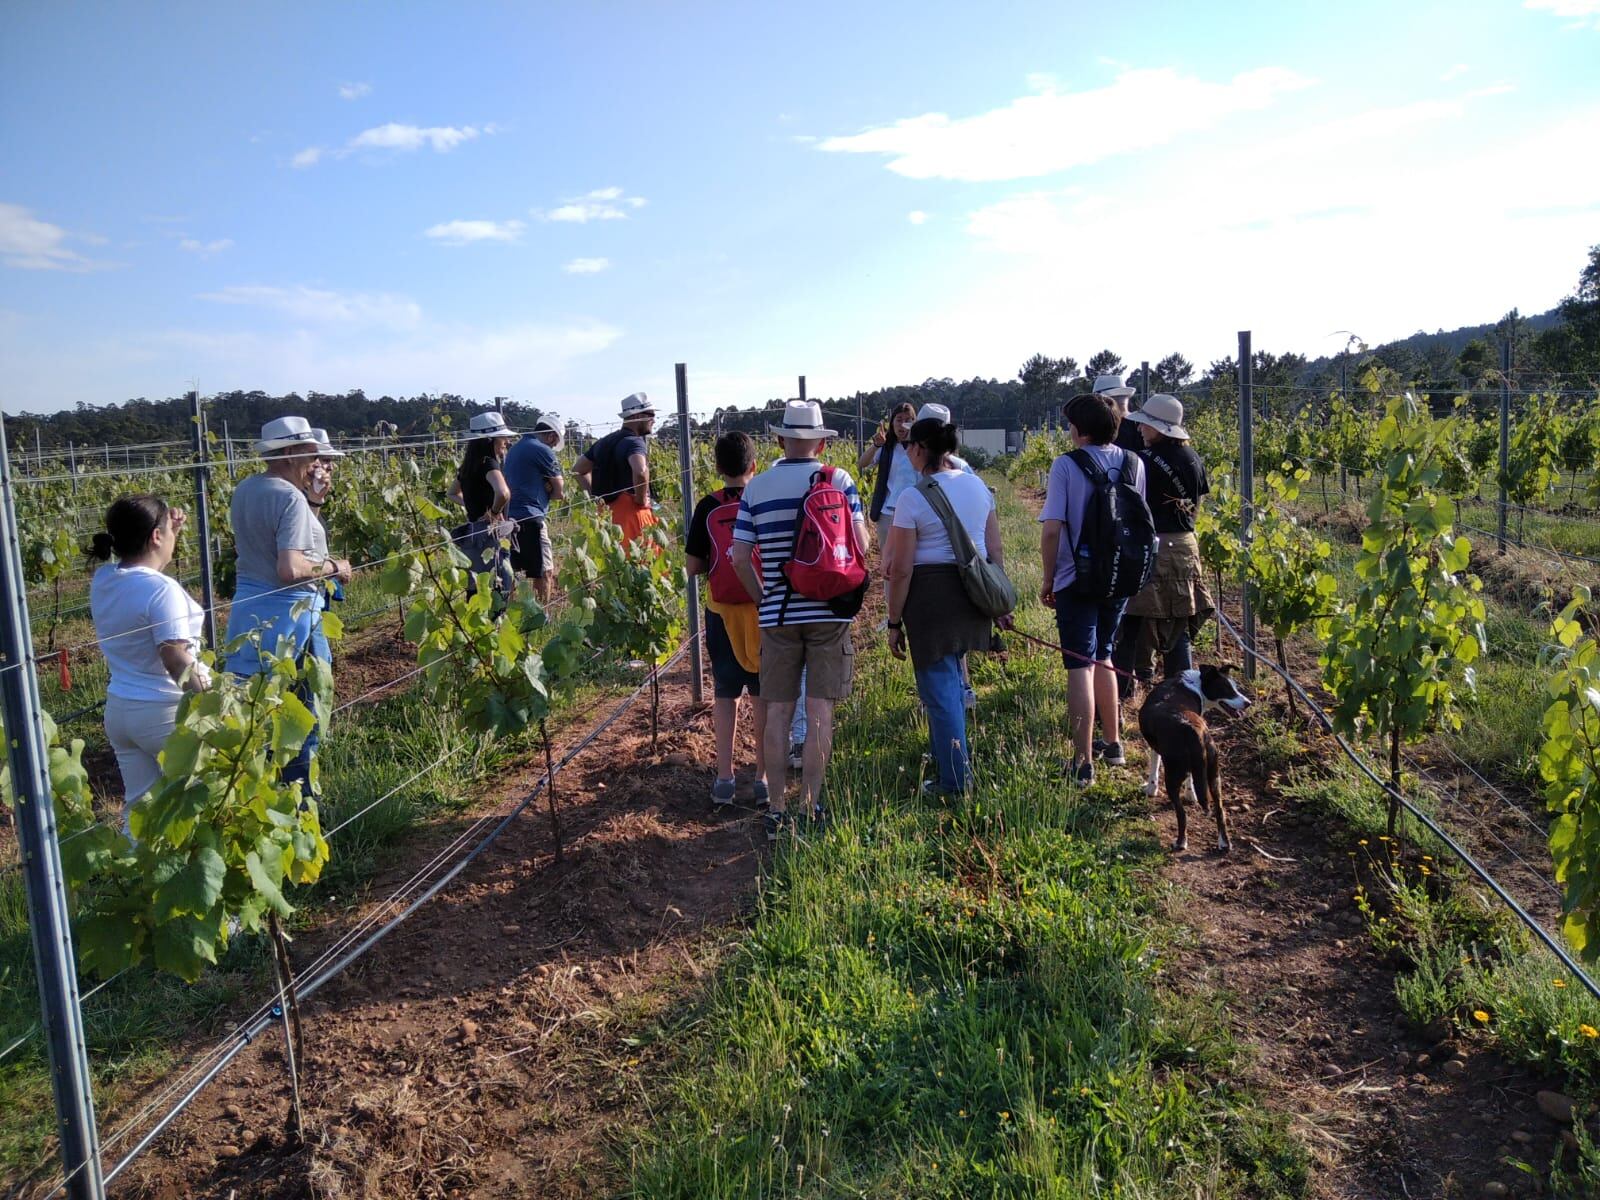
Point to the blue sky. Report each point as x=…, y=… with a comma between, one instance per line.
x=558, y=202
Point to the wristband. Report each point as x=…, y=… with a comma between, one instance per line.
x=895, y=625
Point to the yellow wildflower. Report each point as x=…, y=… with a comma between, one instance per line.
x=1480, y=1016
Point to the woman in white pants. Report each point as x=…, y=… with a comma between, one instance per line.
x=149, y=630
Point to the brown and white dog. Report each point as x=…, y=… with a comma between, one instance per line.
x=1173, y=724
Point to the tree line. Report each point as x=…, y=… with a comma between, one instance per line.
x=1556, y=351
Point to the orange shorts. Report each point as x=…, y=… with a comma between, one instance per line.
x=631, y=517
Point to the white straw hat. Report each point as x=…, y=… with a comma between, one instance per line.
x=1112, y=385
x=488, y=425
x=283, y=432
x=934, y=412
x=1163, y=413
x=324, y=446
x=637, y=405
x=802, y=419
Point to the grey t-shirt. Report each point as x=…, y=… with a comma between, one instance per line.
x=1067, y=496
x=270, y=515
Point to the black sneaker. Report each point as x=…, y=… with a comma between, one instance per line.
x=1083, y=773
x=1110, y=753
x=775, y=823
x=797, y=756
x=819, y=813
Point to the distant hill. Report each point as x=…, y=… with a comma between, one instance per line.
x=1441, y=343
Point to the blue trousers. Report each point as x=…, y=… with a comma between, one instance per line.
x=940, y=687
x=283, y=630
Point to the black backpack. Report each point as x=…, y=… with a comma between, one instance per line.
x=1115, y=554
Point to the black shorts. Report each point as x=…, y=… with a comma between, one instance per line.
x=531, y=552
x=728, y=678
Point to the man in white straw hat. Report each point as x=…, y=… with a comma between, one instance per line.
x=798, y=634
x=1164, y=617
x=534, y=474
x=616, y=469
x=1119, y=393
x=282, y=562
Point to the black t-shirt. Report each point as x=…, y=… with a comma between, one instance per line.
x=1129, y=437
x=476, y=491
x=698, y=543
x=612, y=473
x=1174, y=481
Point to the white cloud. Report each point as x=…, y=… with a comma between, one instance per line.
x=520, y=355
x=324, y=307
x=1285, y=248
x=1052, y=131
x=602, y=204
x=460, y=233
x=917, y=217
x=1454, y=72
x=205, y=249
x=394, y=136
x=401, y=138
x=1579, y=13
x=30, y=244
x=354, y=91
x=586, y=266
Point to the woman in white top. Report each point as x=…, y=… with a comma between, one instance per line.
x=927, y=601
x=149, y=630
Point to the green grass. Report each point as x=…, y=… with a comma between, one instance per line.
x=967, y=1000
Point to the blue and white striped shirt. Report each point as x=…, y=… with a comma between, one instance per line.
x=769, y=517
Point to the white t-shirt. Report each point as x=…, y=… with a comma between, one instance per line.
x=969, y=497
x=135, y=610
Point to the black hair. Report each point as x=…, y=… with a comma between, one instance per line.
x=938, y=438
x=903, y=406
x=478, y=452
x=1094, y=418
x=736, y=453
x=129, y=523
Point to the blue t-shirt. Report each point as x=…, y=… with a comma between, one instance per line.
x=528, y=466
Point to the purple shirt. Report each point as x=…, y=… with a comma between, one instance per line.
x=1067, y=495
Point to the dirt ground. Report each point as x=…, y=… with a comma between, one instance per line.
x=1386, y=1110
x=484, y=1049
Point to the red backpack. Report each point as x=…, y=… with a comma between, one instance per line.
x=725, y=585
x=827, y=562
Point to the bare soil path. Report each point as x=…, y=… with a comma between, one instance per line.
x=1387, y=1111
x=486, y=1047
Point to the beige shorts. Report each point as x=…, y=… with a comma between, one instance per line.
x=822, y=649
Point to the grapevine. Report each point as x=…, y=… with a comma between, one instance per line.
x=1398, y=656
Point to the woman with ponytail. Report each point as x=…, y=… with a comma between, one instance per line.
x=149, y=630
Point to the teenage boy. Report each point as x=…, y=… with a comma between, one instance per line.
x=1087, y=628
x=797, y=633
x=733, y=634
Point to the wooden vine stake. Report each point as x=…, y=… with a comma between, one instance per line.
x=655, y=708
x=293, y=1043
x=550, y=788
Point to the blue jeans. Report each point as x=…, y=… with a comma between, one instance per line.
x=940, y=687
x=797, y=731
x=283, y=630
